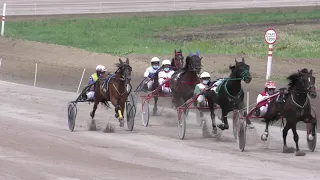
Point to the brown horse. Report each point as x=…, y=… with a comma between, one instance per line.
x=114, y=89
x=177, y=61
x=184, y=80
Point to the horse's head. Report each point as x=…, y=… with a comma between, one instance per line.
x=178, y=59
x=193, y=62
x=125, y=70
x=241, y=70
x=306, y=80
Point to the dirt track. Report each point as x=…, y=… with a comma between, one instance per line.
x=36, y=142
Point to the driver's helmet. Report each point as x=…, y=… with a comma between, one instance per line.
x=100, y=69
x=270, y=85
x=166, y=64
x=205, y=77
x=155, y=61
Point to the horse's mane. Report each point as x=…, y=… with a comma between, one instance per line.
x=187, y=63
x=118, y=64
x=294, y=77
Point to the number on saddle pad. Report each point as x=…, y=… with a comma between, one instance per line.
x=217, y=86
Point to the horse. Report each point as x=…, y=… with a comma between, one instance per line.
x=114, y=89
x=294, y=105
x=184, y=80
x=177, y=61
x=229, y=94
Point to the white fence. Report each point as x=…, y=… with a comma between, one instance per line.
x=45, y=7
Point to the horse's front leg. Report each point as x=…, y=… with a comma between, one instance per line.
x=313, y=131
x=225, y=124
x=296, y=140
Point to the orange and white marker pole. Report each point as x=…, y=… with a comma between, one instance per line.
x=270, y=37
x=3, y=18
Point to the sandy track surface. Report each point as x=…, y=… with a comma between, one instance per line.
x=49, y=7
x=36, y=144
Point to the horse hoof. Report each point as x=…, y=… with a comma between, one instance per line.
x=300, y=153
x=121, y=122
x=288, y=150
x=223, y=126
x=263, y=137
x=91, y=114
x=250, y=126
x=310, y=137
x=214, y=131
x=93, y=126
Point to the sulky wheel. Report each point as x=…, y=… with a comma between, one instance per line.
x=235, y=123
x=131, y=112
x=242, y=129
x=182, y=125
x=72, y=114
x=312, y=140
x=145, y=113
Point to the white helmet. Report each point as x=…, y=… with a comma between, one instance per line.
x=101, y=68
x=166, y=62
x=205, y=75
x=155, y=59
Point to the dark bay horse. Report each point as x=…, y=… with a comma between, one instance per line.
x=177, y=61
x=294, y=105
x=184, y=80
x=114, y=89
x=229, y=94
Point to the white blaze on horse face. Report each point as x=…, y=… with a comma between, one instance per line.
x=309, y=79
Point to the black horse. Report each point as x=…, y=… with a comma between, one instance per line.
x=294, y=105
x=229, y=94
x=184, y=80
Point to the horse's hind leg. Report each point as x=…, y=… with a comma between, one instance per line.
x=212, y=115
x=284, y=136
x=296, y=140
x=264, y=136
x=95, y=106
x=155, y=107
x=92, y=114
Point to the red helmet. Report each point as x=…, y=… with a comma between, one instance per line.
x=270, y=84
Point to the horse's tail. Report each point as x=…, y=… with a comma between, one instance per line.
x=106, y=104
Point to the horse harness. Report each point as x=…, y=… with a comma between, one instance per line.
x=232, y=98
x=105, y=84
x=307, y=90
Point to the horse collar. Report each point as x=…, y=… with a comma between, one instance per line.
x=305, y=103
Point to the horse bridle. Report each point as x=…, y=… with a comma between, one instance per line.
x=124, y=78
x=175, y=62
x=307, y=91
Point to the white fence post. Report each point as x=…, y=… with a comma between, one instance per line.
x=3, y=18
x=81, y=80
x=35, y=75
x=0, y=63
